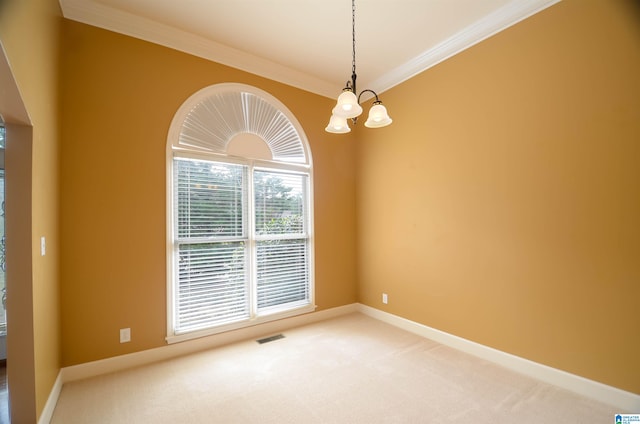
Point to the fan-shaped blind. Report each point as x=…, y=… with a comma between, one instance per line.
x=218, y=117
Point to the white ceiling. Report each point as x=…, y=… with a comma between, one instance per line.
x=307, y=43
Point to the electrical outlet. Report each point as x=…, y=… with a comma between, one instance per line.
x=385, y=298
x=125, y=335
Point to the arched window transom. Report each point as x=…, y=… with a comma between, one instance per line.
x=215, y=116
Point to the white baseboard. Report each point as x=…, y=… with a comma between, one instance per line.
x=625, y=401
x=50, y=406
x=119, y=363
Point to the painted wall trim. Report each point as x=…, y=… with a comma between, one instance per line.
x=625, y=401
x=102, y=16
x=119, y=363
x=52, y=400
x=508, y=15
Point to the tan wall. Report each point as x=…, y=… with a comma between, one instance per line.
x=503, y=204
x=119, y=96
x=29, y=33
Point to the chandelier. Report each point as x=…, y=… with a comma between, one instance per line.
x=348, y=106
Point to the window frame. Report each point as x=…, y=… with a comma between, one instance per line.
x=174, y=150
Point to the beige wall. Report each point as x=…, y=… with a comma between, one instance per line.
x=119, y=96
x=29, y=34
x=503, y=204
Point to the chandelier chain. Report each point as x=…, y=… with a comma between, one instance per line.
x=353, y=35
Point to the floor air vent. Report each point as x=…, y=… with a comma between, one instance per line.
x=270, y=339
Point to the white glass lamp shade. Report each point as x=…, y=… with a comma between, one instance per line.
x=347, y=106
x=378, y=117
x=338, y=125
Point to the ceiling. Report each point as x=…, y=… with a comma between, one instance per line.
x=308, y=43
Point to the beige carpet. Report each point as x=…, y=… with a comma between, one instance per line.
x=352, y=369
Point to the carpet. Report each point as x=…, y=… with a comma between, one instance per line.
x=351, y=369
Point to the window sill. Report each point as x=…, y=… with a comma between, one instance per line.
x=177, y=338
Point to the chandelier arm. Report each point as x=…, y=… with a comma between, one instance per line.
x=377, y=101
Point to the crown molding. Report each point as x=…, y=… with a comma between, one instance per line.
x=499, y=20
x=93, y=13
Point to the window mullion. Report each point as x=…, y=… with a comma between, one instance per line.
x=252, y=248
x=199, y=240
x=274, y=237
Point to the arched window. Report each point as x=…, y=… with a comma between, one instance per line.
x=239, y=208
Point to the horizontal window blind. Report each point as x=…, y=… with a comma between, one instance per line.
x=212, y=285
x=283, y=274
x=221, y=249
x=282, y=254
x=279, y=200
x=210, y=198
x=212, y=278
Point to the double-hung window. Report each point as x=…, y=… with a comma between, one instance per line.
x=240, y=248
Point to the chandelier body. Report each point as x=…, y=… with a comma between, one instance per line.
x=348, y=104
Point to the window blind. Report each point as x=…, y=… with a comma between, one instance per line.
x=212, y=279
x=282, y=271
x=230, y=266
x=212, y=285
x=279, y=203
x=210, y=200
x=282, y=274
